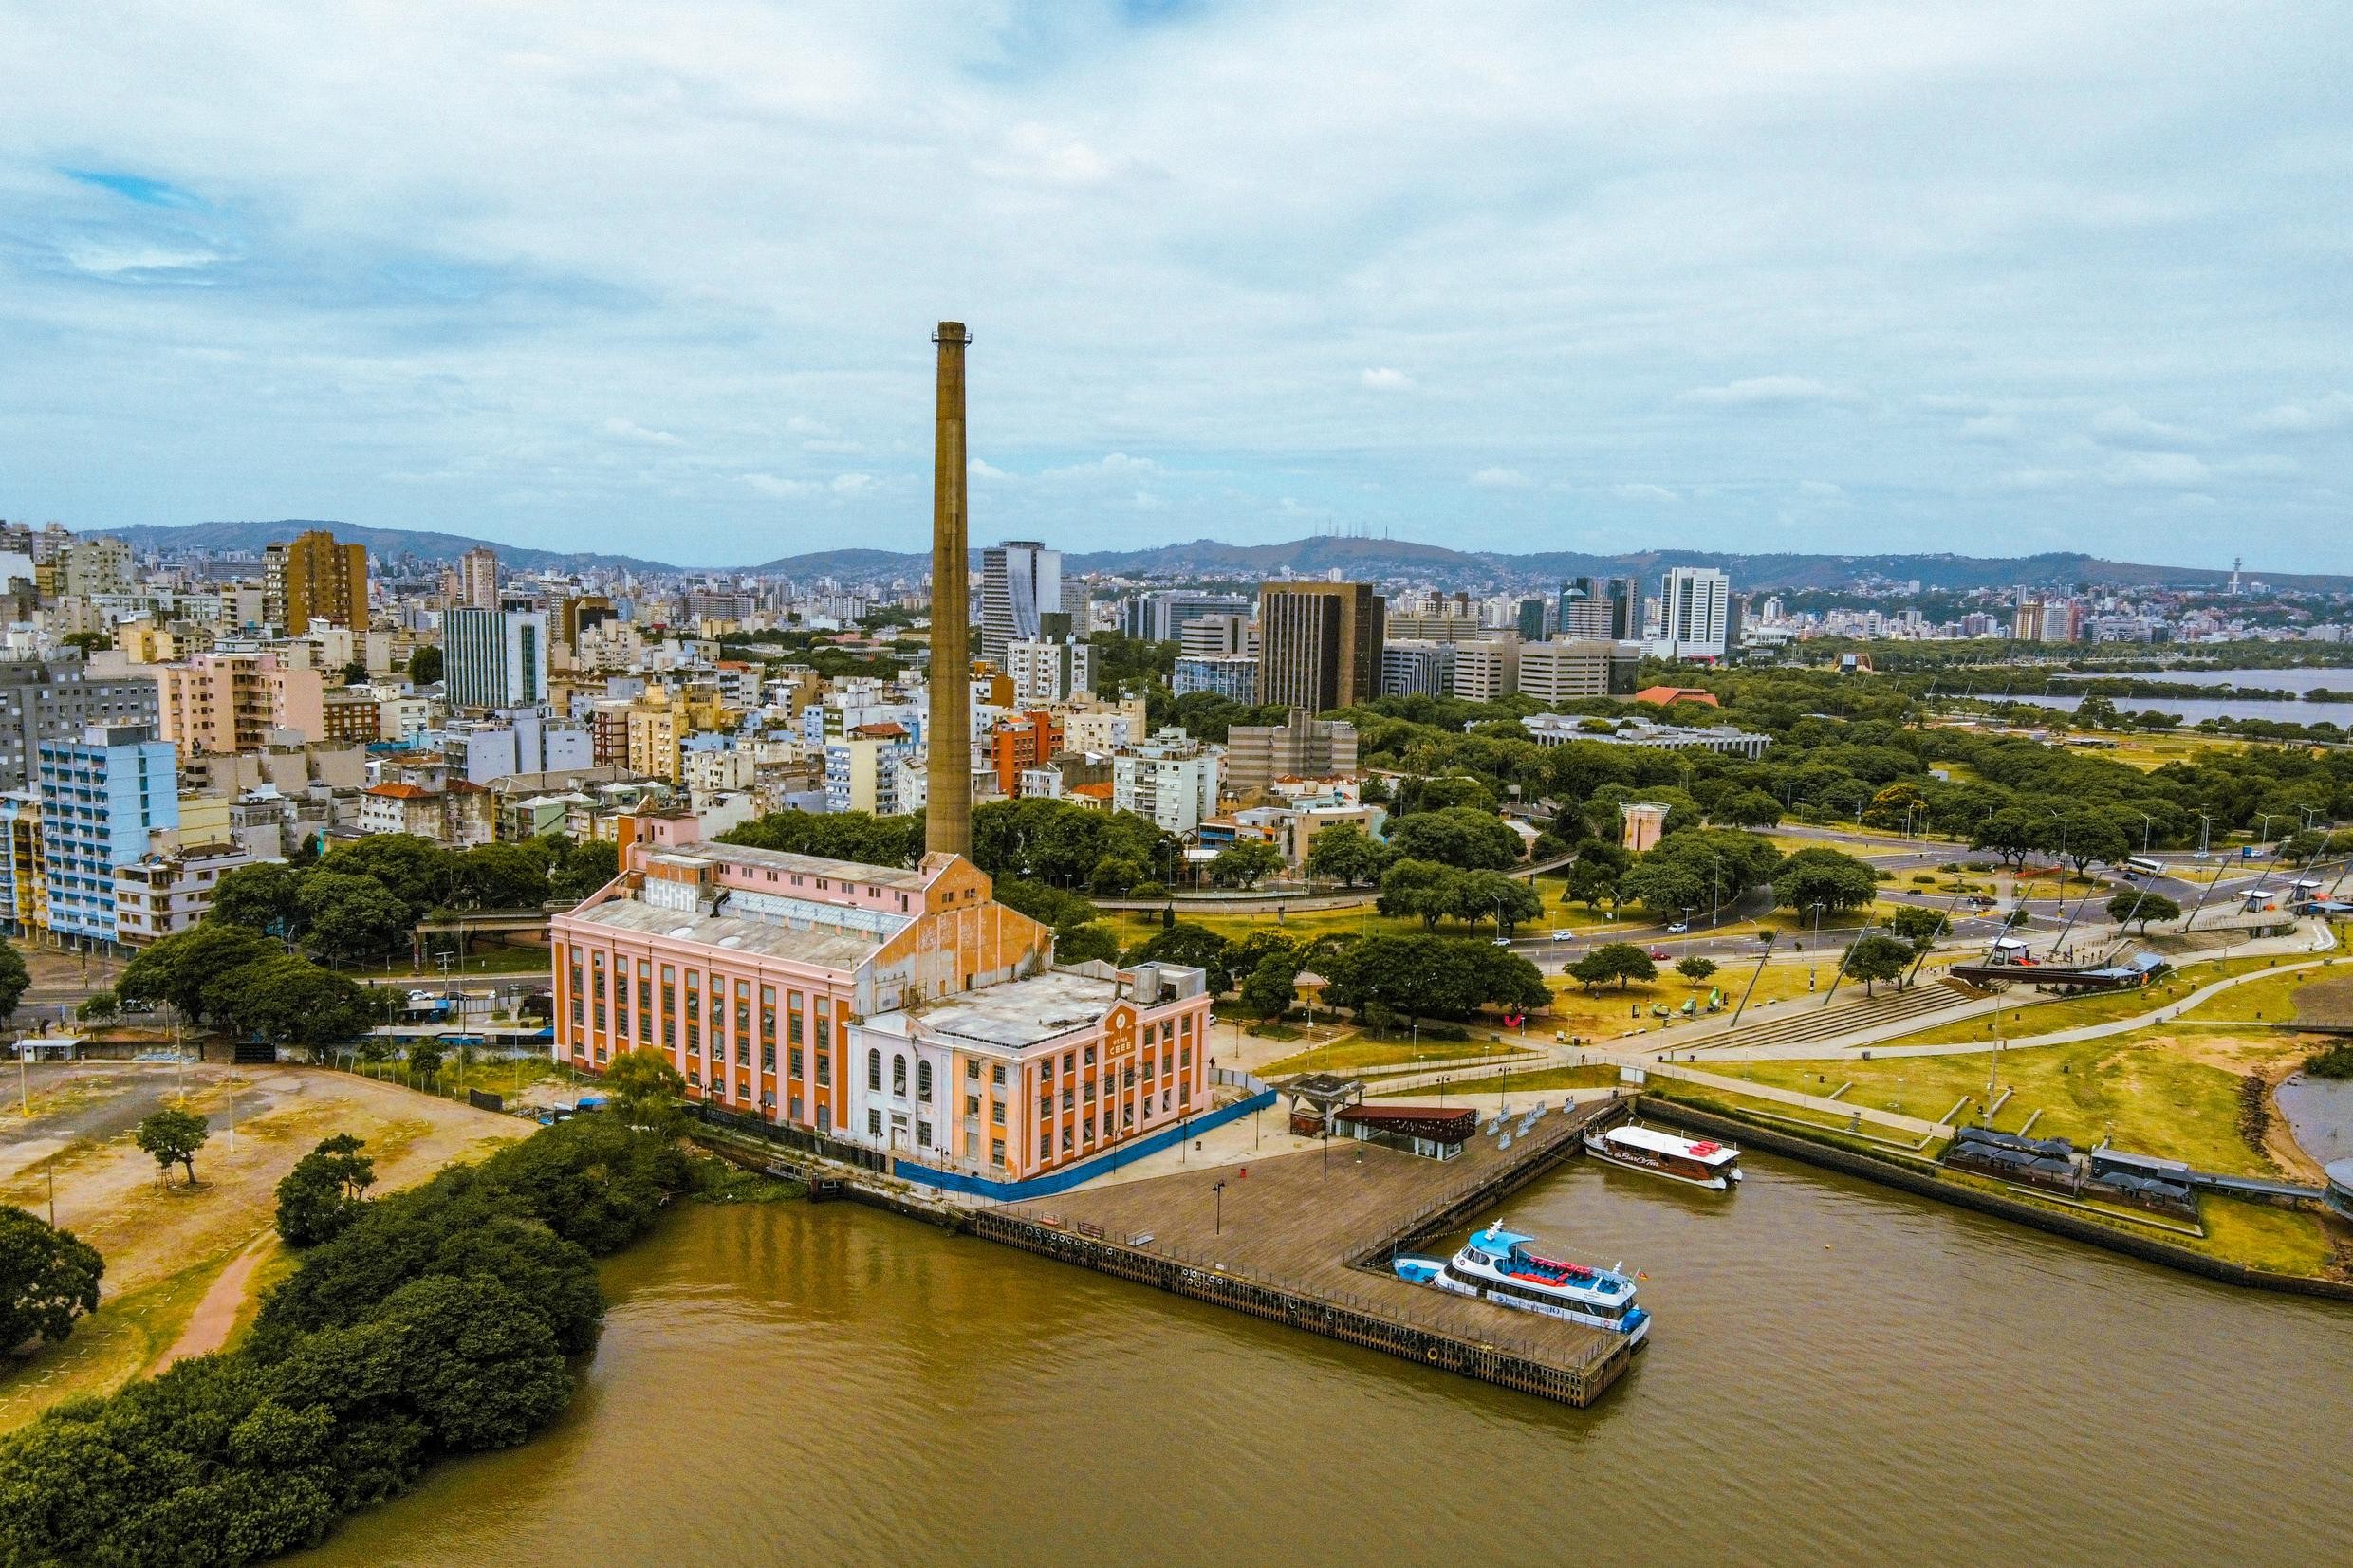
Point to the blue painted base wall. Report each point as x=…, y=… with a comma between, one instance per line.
x=1062, y=1181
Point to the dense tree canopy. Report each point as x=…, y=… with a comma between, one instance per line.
x=1432, y=976
x=47, y=1279
x=1820, y=874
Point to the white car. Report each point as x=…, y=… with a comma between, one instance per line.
x=1564, y=936
x=1678, y=927
x=1499, y=942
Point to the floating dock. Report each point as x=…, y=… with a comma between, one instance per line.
x=1306, y=1239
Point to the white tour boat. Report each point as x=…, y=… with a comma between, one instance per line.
x=1699, y=1161
x=1497, y=1265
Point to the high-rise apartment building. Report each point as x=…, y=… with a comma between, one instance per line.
x=1218, y=636
x=1170, y=780
x=56, y=699
x=1256, y=755
x=216, y=704
x=1233, y=676
x=1045, y=673
x=1533, y=622
x=1449, y=625
x=101, y=797
x=1694, y=613
x=494, y=658
x=477, y=580
x=1020, y=584
x=314, y=579
x=1319, y=644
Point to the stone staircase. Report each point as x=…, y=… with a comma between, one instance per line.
x=1809, y=1021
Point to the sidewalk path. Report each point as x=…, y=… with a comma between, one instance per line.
x=216, y=1314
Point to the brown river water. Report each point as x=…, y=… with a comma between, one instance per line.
x=1838, y=1373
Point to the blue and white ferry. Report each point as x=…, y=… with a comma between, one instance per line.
x=1499, y=1265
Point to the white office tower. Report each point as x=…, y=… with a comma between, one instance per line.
x=1693, y=607
x=1020, y=582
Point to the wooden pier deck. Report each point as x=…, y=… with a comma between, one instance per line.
x=1305, y=1239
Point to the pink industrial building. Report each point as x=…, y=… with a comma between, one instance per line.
x=903, y=1010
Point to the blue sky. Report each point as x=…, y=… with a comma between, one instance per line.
x=1990, y=278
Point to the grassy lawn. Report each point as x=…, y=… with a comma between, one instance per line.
x=1357, y=1053
x=2269, y=1000
x=2074, y=1012
x=1557, y=1078
x=108, y=1348
x=2157, y=1094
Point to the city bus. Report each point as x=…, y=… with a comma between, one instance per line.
x=2141, y=865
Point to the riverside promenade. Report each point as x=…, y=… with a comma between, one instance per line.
x=1304, y=1240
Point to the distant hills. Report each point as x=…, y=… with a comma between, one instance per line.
x=1315, y=556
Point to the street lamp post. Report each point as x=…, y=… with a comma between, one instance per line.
x=1218, y=1226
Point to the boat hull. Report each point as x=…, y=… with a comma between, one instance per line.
x=1566, y=1311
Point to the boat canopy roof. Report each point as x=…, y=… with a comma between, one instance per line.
x=1706, y=1153
x=1497, y=1241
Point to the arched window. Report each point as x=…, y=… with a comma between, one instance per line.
x=899, y=1075
x=873, y=1070
x=923, y=1081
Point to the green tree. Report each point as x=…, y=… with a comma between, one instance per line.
x=1430, y=976
x=322, y=1192
x=2093, y=837
x=264, y=898
x=417, y=871
x=1664, y=885
x=2011, y=833
x=99, y=1007
x=425, y=665
x=645, y=1088
x=1919, y=926
x=424, y=1059
x=1618, y=961
x=13, y=978
x=1822, y=876
x=500, y=876
x=1746, y=808
x=1113, y=876
x=351, y=917
x=1696, y=969
x=1195, y=946
x=1491, y=896
x=2140, y=906
x=179, y=968
x=1423, y=889
x=1268, y=991
x=1245, y=863
x=1460, y=836
x=173, y=1137
x=290, y=1002
x=1344, y=853
x=1874, y=957
x=1087, y=942
x=582, y=868
x=47, y=1279
x=1895, y=807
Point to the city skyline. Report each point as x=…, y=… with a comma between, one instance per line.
x=1844, y=277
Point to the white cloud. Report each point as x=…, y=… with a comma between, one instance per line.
x=979, y=470
x=2172, y=471
x=2333, y=411
x=2122, y=426
x=1644, y=492
x=630, y=430
x=1502, y=479
x=1821, y=489
x=1764, y=392
x=1606, y=239
x=852, y=484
